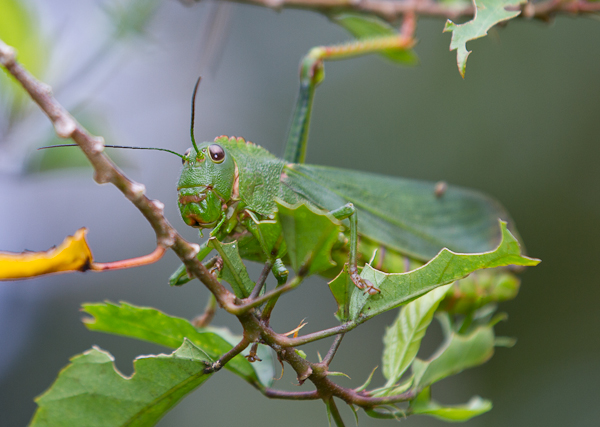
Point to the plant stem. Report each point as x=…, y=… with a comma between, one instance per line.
x=291, y=395
x=239, y=347
x=204, y=319
x=261, y=280
x=335, y=413
x=332, y=350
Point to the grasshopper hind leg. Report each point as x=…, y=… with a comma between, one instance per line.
x=349, y=212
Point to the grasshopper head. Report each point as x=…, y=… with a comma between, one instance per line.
x=205, y=185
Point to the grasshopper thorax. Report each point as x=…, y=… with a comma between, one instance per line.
x=206, y=184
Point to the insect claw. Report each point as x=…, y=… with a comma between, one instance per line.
x=361, y=283
x=212, y=367
x=372, y=289
x=216, y=269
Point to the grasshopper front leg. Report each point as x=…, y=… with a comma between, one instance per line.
x=349, y=212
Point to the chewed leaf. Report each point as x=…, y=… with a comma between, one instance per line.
x=267, y=233
x=91, y=392
x=73, y=254
x=309, y=235
x=234, y=271
x=342, y=288
x=423, y=405
x=487, y=14
x=446, y=267
x=152, y=325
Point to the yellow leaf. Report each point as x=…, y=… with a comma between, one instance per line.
x=73, y=254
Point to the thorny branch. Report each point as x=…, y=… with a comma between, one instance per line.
x=255, y=330
x=394, y=10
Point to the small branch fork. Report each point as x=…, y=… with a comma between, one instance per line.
x=256, y=330
x=393, y=10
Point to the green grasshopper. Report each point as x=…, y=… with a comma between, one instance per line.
x=231, y=186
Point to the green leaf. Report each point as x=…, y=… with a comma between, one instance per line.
x=487, y=14
x=369, y=27
x=342, y=288
x=267, y=233
x=478, y=290
x=149, y=324
x=234, y=271
x=403, y=339
x=457, y=354
x=91, y=392
x=423, y=405
x=309, y=235
x=18, y=28
x=446, y=267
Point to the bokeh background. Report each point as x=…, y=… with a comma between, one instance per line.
x=523, y=126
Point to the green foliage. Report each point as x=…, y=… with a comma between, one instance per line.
x=342, y=288
x=476, y=291
x=309, y=236
x=423, y=405
x=487, y=14
x=91, y=392
x=149, y=324
x=446, y=267
x=234, y=272
x=403, y=338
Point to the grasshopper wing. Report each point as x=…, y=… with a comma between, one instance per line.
x=406, y=215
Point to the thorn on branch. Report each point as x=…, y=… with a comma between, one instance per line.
x=102, y=176
x=195, y=249
x=158, y=205
x=137, y=190
x=65, y=125
x=98, y=145
x=8, y=54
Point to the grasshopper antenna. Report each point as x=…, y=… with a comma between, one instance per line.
x=194, y=113
x=118, y=146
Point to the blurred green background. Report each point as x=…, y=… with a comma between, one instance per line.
x=523, y=126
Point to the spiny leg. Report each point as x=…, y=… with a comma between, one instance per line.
x=349, y=212
x=312, y=73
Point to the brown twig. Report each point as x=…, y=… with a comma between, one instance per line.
x=393, y=10
x=332, y=350
x=291, y=395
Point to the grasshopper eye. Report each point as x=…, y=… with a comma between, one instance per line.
x=217, y=154
x=186, y=155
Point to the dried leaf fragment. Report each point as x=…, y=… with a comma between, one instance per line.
x=73, y=254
